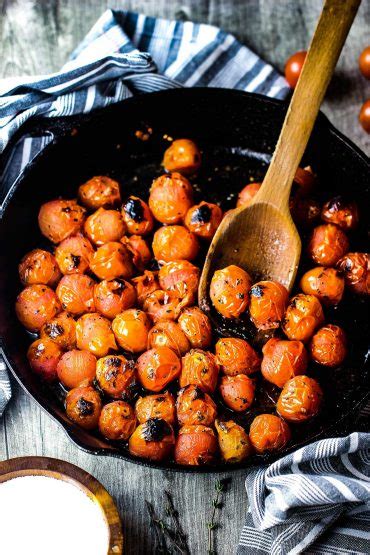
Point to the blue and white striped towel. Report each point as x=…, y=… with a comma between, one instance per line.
x=123, y=54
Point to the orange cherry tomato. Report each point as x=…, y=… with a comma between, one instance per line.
x=195, y=407
x=169, y=334
x=327, y=284
x=159, y=405
x=293, y=67
x=144, y=285
x=83, y=406
x=104, y=226
x=329, y=346
x=170, y=198
x=76, y=293
x=36, y=305
x=302, y=317
x=114, y=296
x=233, y=441
x=300, y=399
x=116, y=376
x=58, y=219
x=247, y=193
x=100, y=191
x=196, y=445
x=76, y=368
x=174, y=242
x=182, y=277
x=112, y=260
x=162, y=305
x=305, y=211
x=117, y=421
x=236, y=356
x=139, y=248
x=74, y=254
x=364, y=62
x=340, y=212
x=196, y=326
x=355, y=267
x=237, y=391
x=229, y=291
x=43, y=356
x=203, y=219
x=62, y=330
x=39, y=267
x=182, y=156
x=282, y=360
x=269, y=433
x=158, y=367
x=199, y=368
x=305, y=179
x=131, y=329
x=153, y=440
x=94, y=333
x=268, y=302
x=364, y=116
x=328, y=243
x=137, y=216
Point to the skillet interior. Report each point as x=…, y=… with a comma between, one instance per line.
x=236, y=132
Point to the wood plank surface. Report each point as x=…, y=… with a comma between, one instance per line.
x=36, y=37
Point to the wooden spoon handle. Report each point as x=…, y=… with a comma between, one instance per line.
x=330, y=34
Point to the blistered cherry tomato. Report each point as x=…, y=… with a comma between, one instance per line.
x=83, y=406
x=36, y=305
x=328, y=243
x=58, y=219
x=62, y=330
x=131, y=329
x=327, y=284
x=203, y=219
x=293, y=67
x=282, y=360
x=199, y=368
x=305, y=211
x=39, y=267
x=170, y=198
x=94, y=333
x=104, y=226
x=153, y=440
x=116, y=376
x=305, y=179
x=137, y=216
x=182, y=277
x=329, y=346
x=162, y=305
x=236, y=356
x=114, y=296
x=195, y=407
x=112, y=260
x=76, y=293
x=300, y=399
x=169, y=334
x=233, y=441
x=237, y=391
x=229, y=291
x=43, y=356
x=144, y=285
x=355, y=267
x=99, y=191
x=139, y=248
x=247, y=193
x=158, y=367
x=364, y=116
x=269, y=433
x=174, y=242
x=268, y=301
x=76, y=368
x=340, y=212
x=302, y=317
x=117, y=421
x=159, y=405
x=74, y=254
x=195, y=445
x=182, y=156
x=196, y=326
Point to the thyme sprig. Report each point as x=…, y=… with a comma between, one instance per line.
x=220, y=487
x=176, y=536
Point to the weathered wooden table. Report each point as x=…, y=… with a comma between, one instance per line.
x=36, y=37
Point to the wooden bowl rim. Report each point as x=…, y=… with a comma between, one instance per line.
x=63, y=470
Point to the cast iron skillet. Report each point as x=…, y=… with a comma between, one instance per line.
x=237, y=133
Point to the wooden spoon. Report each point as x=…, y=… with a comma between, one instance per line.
x=262, y=238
